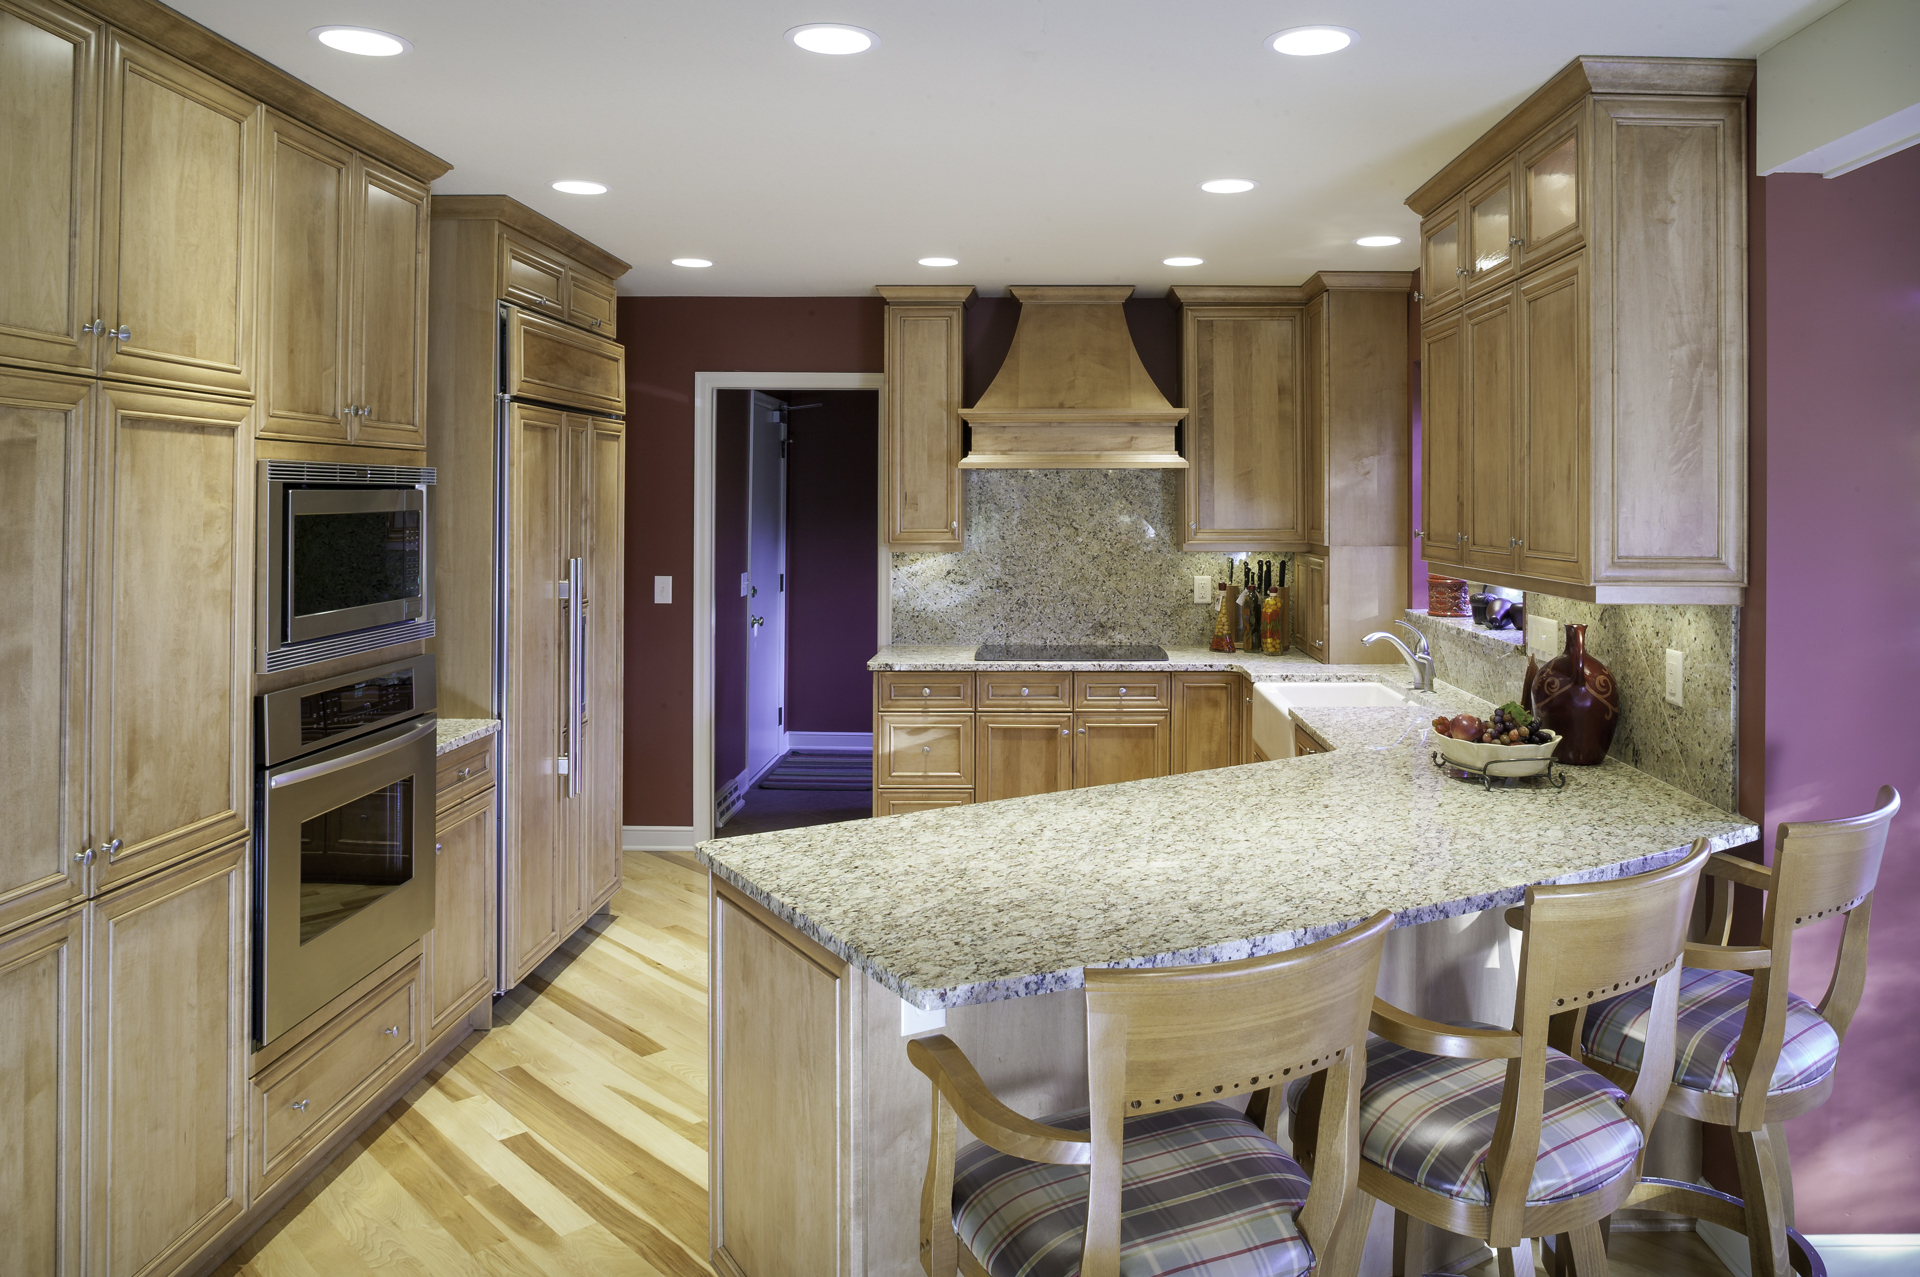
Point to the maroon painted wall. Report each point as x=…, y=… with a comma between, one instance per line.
x=731, y=482
x=1836, y=512
x=833, y=538
x=1154, y=323
x=668, y=340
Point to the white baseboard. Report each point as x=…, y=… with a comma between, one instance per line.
x=656, y=838
x=830, y=740
x=1845, y=1254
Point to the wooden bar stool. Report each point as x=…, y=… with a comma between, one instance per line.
x=1498, y=1133
x=1159, y=1174
x=1751, y=1054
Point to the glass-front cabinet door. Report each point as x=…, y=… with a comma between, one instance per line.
x=1442, y=273
x=1552, y=191
x=1487, y=232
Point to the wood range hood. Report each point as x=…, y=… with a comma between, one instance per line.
x=1072, y=394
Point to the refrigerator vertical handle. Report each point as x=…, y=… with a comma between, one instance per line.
x=576, y=674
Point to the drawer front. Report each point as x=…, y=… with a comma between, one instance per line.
x=1020, y=691
x=923, y=751
x=1304, y=742
x=1120, y=691
x=322, y=1084
x=463, y=772
x=938, y=690
x=557, y=363
x=590, y=304
x=529, y=277
x=898, y=802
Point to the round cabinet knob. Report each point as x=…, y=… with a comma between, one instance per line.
x=1123, y=691
x=1515, y=241
x=926, y=691
x=299, y=1106
x=392, y=1031
x=1083, y=731
x=122, y=333
x=926, y=749
x=1024, y=691
x=84, y=855
x=1462, y=271
x=464, y=772
x=1063, y=731
x=112, y=847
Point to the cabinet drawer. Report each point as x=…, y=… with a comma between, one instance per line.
x=1305, y=742
x=463, y=772
x=557, y=363
x=938, y=689
x=923, y=751
x=529, y=277
x=590, y=304
x=1119, y=691
x=323, y=1083
x=1020, y=691
x=898, y=802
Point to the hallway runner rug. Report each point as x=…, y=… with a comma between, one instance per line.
x=821, y=769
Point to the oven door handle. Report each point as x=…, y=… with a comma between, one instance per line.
x=315, y=770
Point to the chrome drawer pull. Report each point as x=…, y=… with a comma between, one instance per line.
x=299, y=1106
x=1024, y=691
x=464, y=772
x=393, y=1032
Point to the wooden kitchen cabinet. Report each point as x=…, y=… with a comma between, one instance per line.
x=1314, y=424
x=1305, y=742
x=387, y=336
x=168, y=1034
x=1024, y=690
x=603, y=656
x=1021, y=754
x=1310, y=606
x=42, y=1086
x=1119, y=690
x=921, y=451
x=1600, y=431
x=532, y=276
x=592, y=302
x=923, y=690
x=1118, y=746
x=305, y=284
x=923, y=751
x=460, y=950
x=1209, y=721
x=900, y=802
x=1443, y=271
x=1243, y=379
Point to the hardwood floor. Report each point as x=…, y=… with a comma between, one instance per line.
x=570, y=1139
x=573, y=1137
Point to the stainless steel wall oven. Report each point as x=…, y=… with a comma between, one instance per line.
x=344, y=827
x=344, y=560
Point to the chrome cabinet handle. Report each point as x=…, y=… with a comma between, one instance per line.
x=598, y=322
x=1063, y=731
x=1462, y=271
x=1083, y=731
x=436, y=849
x=464, y=772
x=926, y=749
x=84, y=855
x=1025, y=691
x=299, y=1106
x=1123, y=691
x=94, y=326
x=926, y=691
x=112, y=848
x=392, y=1032
x=1419, y=296
x=122, y=333
x=1515, y=242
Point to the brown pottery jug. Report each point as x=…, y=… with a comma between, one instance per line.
x=1575, y=695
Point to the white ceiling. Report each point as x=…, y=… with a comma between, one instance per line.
x=1039, y=141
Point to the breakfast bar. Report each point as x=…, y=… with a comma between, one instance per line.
x=831, y=944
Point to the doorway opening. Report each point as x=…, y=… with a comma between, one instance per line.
x=796, y=602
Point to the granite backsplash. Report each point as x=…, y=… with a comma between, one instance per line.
x=1691, y=746
x=1060, y=556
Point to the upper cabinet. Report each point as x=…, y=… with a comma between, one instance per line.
x=923, y=447
x=543, y=279
x=1584, y=391
x=387, y=335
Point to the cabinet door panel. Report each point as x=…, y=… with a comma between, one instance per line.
x=923, y=751
x=1489, y=467
x=177, y=200
x=1442, y=272
x=1207, y=713
x=924, y=689
x=528, y=277
x=1243, y=435
x=923, y=428
x=1554, y=442
x=536, y=539
x=1487, y=227
x=592, y=303
x=166, y=1070
x=50, y=67
x=1316, y=405
x=1442, y=441
x=1310, y=607
x=1552, y=188
x=576, y=809
x=42, y=1004
x=605, y=659
x=901, y=802
x=1021, y=754
x=172, y=590
x=459, y=949
x=1111, y=748
x=44, y=424
x=303, y=285
x=389, y=340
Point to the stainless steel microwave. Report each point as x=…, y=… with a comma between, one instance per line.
x=344, y=560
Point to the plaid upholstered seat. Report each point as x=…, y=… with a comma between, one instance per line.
x=1713, y=1010
x=1430, y=1120
x=1203, y=1193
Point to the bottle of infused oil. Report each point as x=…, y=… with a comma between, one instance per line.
x=1223, y=619
x=1273, y=616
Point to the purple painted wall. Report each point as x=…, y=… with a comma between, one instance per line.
x=833, y=538
x=1829, y=712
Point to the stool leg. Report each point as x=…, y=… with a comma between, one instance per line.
x=1587, y=1249
x=1516, y=1261
x=1783, y=1168
x=1766, y=1214
x=1409, y=1246
x=1349, y=1238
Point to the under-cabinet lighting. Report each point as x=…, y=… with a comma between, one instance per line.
x=580, y=188
x=1377, y=241
x=364, y=41
x=1183, y=261
x=939, y=261
x=832, y=37
x=1227, y=186
x=691, y=261
x=1307, y=42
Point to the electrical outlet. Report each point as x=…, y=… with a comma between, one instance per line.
x=1541, y=635
x=1676, y=676
x=663, y=589
x=1203, y=589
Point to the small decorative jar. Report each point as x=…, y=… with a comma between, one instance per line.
x=1447, y=596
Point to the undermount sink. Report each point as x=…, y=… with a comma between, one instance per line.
x=1273, y=704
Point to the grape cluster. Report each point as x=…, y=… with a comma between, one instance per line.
x=1506, y=728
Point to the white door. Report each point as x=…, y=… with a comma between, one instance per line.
x=766, y=583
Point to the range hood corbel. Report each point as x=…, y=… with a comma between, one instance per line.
x=1073, y=394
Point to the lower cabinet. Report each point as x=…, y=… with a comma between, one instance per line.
x=1115, y=747
x=1209, y=720
x=1304, y=742
x=923, y=750
x=899, y=802
x=42, y=1005
x=1020, y=754
x=1310, y=607
x=460, y=949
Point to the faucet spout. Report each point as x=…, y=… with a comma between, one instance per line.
x=1421, y=661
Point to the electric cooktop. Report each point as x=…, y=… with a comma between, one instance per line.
x=1074, y=653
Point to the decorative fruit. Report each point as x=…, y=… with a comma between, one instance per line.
x=1442, y=726
x=1465, y=727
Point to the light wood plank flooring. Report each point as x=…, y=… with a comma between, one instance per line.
x=573, y=1138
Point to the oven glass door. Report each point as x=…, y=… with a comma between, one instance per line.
x=346, y=868
x=355, y=558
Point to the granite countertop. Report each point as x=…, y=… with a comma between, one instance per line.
x=455, y=732
x=1255, y=665
x=1004, y=899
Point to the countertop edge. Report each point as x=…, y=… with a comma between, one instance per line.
x=455, y=733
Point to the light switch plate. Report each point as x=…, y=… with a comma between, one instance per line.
x=915, y=1021
x=1542, y=634
x=1676, y=676
x=743, y=585
x=1202, y=589
x=663, y=589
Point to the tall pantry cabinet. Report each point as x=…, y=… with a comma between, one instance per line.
x=525, y=428
x=132, y=348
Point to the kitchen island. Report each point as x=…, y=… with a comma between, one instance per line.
x=831, y=943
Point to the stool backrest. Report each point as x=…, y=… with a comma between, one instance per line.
x=1584, y=943
x=1820, y=869
x=1164, y=1038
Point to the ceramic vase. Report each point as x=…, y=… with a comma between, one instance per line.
x=1575, y=695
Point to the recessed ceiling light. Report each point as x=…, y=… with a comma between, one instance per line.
x=832, y=37
x=1228, y=186
x=364, y=41
x=1307, y=42
x=580, y=188
x=691, y=261
x=1182, y=261
x=1377, y=241
x=939, y=261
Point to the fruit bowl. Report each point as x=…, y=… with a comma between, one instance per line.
x=1498, y=761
